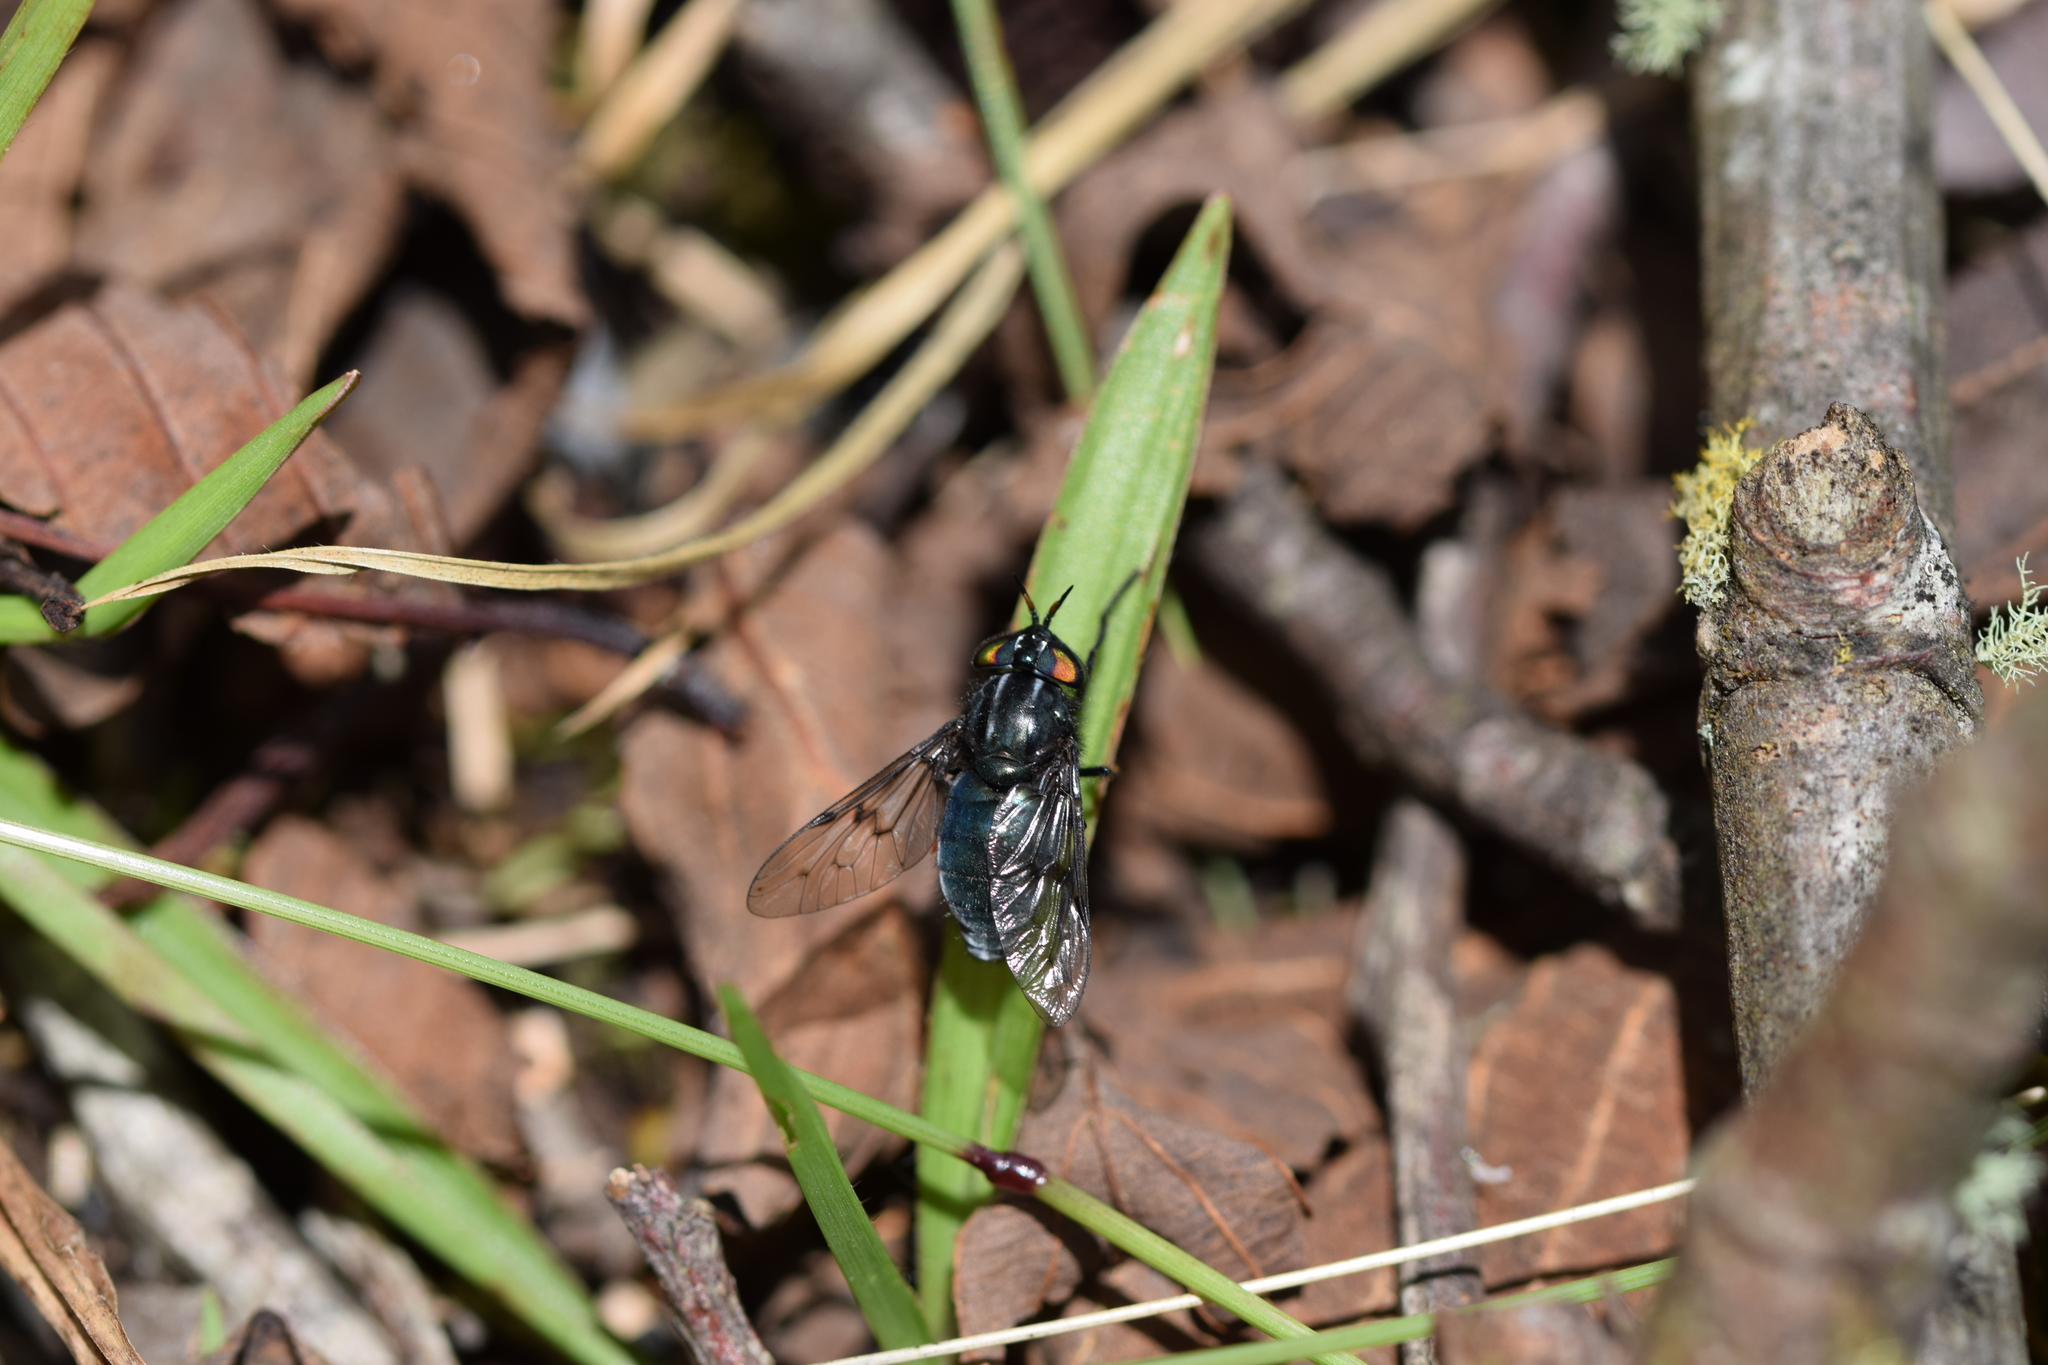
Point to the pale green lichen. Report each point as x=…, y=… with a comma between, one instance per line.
x=1992, y=1198
x=1657, y=35
x=2014, y=644
x=1705, y=494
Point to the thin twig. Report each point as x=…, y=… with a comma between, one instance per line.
x=1401, y=987
x=680, y=1241
x=1599, y=817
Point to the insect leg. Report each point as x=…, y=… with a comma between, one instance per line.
x=1102, y=626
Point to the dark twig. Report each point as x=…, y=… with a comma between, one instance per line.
x=62, y=606
x=1400, y=986
x=1822, y=1227
x=1597, y=816
x=680, y=1240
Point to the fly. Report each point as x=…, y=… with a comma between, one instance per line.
x=998, y=792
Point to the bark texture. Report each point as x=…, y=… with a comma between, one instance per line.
x=679, y=1238
x=1838, y=670
x=1822, y=1229
x=1401, y=987
x=1596, y=816
x=1822, y=223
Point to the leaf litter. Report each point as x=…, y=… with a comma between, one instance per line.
x=1479, y=377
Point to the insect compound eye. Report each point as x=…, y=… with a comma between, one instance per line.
x=1065, y=668
x=990, y=655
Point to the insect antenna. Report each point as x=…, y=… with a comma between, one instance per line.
x=1032, y=606
x=1057, y=605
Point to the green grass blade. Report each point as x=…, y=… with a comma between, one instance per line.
x=182, y=530
x=878, y=1287
x=983, y=1038
x=1118, y=511
x=37, y=37
x=1091, y=1213
x=173, y=962
x=1002, y=118
x=1120, y=504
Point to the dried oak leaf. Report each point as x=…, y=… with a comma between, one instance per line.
x=44, y=1251
x=1127, y=1282
x=39, y=176
x=268, y=187
x=110, y=409
x=467, y=83
x=816, y=663
x=1577, y=1091
x=1998, y=357
x=1532, y=1334
x=1351, y=1200
x=1387, y=393
x=1221, y=1199
x=1214, y=763
x=1250, y=1042
x=1579, y=587
x=429, y=401
x=437, y=1034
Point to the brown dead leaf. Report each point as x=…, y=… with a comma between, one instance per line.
x=466, y=81
x=44, y=1251
x=271, y=188
x=1223, y=1200
x=1998, y=357
x=39, y=176
x=1010, y=1261
x=839, y=992
x=429, y=401
x=1578, y=1091
x=1385, y=396
x=436, y=1033
x=1127, y=1282
x=1249, y=1043
x=1578, y=588
x=1351, y=1206
x=109, y=410
x=1217, y=764
x=1216, y=1197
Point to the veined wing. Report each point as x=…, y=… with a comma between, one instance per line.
x=1039, y=890
x=885, y=825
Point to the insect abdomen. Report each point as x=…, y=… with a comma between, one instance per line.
x=965, y=874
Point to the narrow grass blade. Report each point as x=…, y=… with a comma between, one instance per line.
x=1120, y=504
x=878, y=1287
x=1002, y=119
x=1118, y=511
x=37, y=37
x=982, y=1041
x=171, y=961
x=174, y=535
x=1091, y=1213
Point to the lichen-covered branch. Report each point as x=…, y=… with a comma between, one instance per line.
x=1838, y=669
x=1822, y=1229
x=1599, y=817
x=1822, y=224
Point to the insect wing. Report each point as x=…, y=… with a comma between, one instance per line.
x=885, y=825
x=1039, y=891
